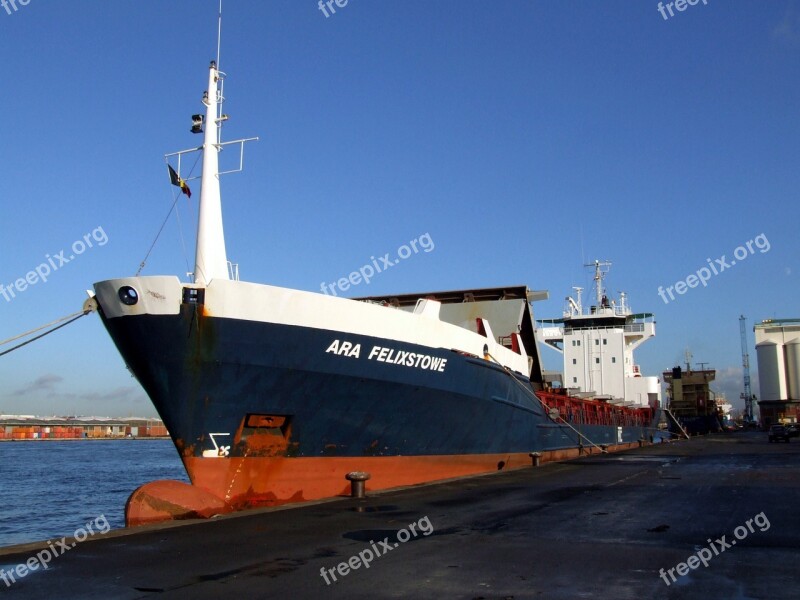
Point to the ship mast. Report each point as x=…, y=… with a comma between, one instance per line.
x=211, y=261
x=598, y=278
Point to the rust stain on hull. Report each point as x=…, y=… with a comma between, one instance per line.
x=165, y=500
x=262, y=481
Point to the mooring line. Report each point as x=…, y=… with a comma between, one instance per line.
x=89, y=306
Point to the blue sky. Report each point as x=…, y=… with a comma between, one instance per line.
x=525, y=137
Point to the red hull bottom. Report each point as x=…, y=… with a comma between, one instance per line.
x=223, y=485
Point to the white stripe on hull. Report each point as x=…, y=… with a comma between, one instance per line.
x=269, y=304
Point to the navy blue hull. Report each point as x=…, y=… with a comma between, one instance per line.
x=206, y=375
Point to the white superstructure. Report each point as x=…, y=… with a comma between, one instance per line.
x=597, y=345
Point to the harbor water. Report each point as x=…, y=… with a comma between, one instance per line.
x=51, y=489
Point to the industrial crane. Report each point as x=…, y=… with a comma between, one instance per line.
x=747, y=395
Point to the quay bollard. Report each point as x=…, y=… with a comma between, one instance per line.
x=358, y=484
x=536, y=457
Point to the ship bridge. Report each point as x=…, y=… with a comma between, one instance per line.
x=597, y=344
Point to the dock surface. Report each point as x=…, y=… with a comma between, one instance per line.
x=603, y=526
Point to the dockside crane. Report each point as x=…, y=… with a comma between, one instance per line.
x=747, y=395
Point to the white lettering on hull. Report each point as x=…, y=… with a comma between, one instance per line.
x=345, y=349
x=392, y=356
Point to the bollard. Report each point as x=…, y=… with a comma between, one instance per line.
x=536, y=457
x=604, y=448
x=358, y=484
x=641, y=443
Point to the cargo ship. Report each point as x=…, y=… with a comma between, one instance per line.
x=273, y=395
x=694, y=408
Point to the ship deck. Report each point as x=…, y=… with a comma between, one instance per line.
x=599, y=526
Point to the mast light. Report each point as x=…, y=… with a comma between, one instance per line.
x=197, y=123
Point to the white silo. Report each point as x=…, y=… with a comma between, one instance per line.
x=792, y=349
x=771, y=371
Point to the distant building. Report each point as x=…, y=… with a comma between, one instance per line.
x=27, y=427
x=778, y=352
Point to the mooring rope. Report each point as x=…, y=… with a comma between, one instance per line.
x=178, y=195
x=89, y=306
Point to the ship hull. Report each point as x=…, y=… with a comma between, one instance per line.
x=264, y=413
x=699, y=425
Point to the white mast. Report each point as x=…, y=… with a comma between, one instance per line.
x=598, y=278
x=211, y=261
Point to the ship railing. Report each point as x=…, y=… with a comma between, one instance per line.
x=632, y=328
x=618, y=311
x=233, y=271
